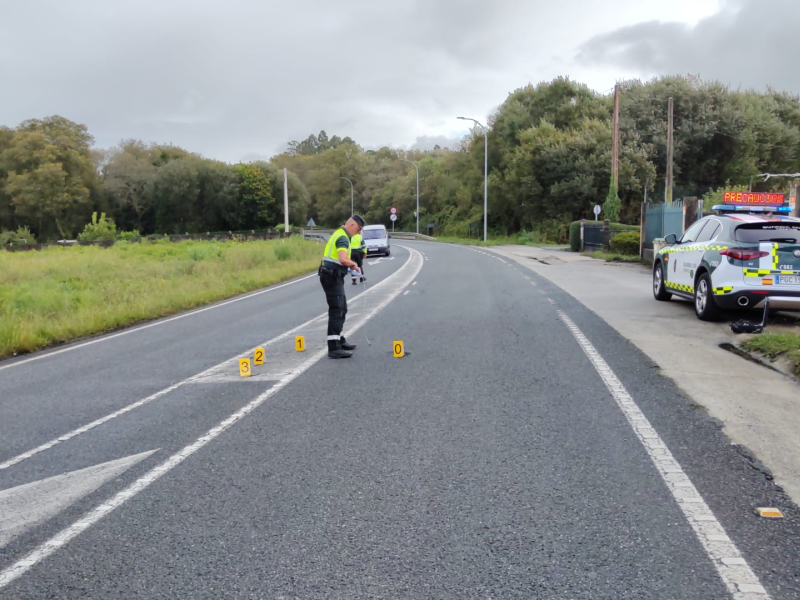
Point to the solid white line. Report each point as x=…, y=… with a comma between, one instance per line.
x=64, y=536
x=149, y=325
x=723, y=553
x=139, y=403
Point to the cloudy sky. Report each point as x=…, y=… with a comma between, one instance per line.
x=237, y=80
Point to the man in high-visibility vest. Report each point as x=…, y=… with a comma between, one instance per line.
x=358, y=251
x=335, y=263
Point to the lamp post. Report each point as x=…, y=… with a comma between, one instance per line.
x=417, y=170
x=485, y=171
x=352, y=211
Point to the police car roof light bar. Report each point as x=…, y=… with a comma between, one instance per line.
x=750, y=209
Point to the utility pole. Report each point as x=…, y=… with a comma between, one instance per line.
x=417, y=170
x=485, y=173
x=668, y=183
x=285, y=201
x=352, y=210
x=615, y=141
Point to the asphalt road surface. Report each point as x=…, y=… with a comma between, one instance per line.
x=521, y=449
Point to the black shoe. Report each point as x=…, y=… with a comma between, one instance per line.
x=339, y=353
x=347, y=346
x=354, y=281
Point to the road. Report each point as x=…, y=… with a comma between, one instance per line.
x=522, y=448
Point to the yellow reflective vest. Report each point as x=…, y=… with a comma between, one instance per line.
x=357, y=243
x=332, y=252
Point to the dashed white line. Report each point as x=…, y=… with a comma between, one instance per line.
x=405, y=293
x=551, y=301
x=734, y=571
x=154, y=324
x=64, y=536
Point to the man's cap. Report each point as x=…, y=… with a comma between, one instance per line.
x=359, y=220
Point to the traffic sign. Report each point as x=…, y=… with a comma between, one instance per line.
x=393, y=210
x=597, y=210
x=393, y=217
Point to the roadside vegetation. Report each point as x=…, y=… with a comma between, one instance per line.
x=62, y=294
x=523, y=238
x=549, y=164
x=774, y=345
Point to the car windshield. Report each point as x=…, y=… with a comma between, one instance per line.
x=373, y=234
x=754, y=233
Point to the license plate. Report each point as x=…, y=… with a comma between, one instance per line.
x=788, y=279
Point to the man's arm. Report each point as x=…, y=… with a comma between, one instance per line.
x=342, y=253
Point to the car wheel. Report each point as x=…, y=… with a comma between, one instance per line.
x=704, y=304
x=659, y=289
x=388, y=252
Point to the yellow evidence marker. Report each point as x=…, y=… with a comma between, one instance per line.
x=397, y=347
x=258, y=356
x=300, y=343
x=244, y=367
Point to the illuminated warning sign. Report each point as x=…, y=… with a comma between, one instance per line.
x=753, y=198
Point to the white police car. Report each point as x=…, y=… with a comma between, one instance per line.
x=732, y=260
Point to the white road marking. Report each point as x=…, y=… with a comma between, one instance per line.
x=209, y=374
x=27, y=505
x=415, y=283
x=149, y=325
x=533, y=283
x=551, y=301
x=405, y=293
x=723, y=553
x=406, y=274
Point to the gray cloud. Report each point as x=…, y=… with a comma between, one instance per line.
x=747, y=44
x=240, y=79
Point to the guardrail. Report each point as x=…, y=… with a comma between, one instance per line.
x=410, y=235
x=324, y=234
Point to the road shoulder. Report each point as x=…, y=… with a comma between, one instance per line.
x=760, y=409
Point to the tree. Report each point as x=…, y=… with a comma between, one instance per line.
x=256, y=205
x=129, y=175
x=50, y=171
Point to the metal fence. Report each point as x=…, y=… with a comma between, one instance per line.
x=663, y=219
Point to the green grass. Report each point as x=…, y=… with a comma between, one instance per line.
x=777, y=344
x=62, y=294
x=613, y=256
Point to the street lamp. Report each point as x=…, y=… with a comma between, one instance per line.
x=352, y=211
x=485, y=171
x=417, y=170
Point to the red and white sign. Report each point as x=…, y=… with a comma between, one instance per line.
x=393, y=210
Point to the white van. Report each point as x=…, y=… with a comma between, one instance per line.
x=377, y=240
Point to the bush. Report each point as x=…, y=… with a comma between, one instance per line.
x=99, y=230
x=575, y=236
x=129, y=236
x=21, y=237
x=626, y=242
x=283, y=252
x=281, y=227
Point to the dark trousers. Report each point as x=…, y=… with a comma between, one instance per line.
x=333, y=284
x=358, y=258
